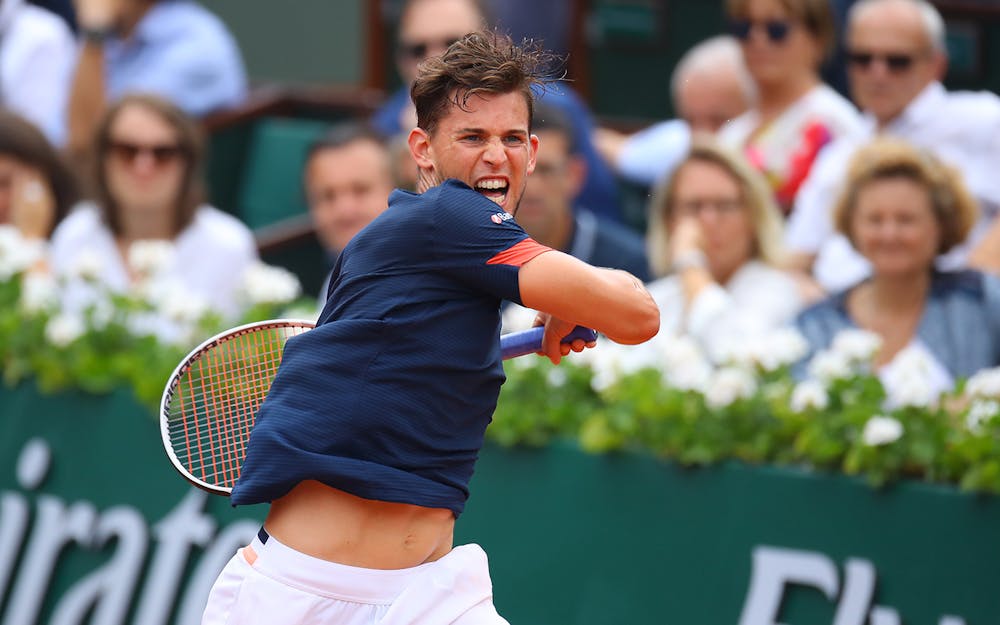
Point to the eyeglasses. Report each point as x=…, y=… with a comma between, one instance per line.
x=776, y=30
x=696, y=206
x=421, y=49
x=896, y=63
x=128, y=152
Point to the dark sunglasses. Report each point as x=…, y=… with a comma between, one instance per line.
x=776, y=30
x=896, y=63
x=419, y=49
x=128, y=151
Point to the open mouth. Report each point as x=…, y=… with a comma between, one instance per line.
x=494, y=189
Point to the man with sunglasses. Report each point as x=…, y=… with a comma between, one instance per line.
x=426, y=29
x=896, y=60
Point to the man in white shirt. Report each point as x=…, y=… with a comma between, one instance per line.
x=896, y=59
x=37, y=53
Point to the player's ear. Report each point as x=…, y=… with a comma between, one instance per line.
x=420, y=148
x=532, y=152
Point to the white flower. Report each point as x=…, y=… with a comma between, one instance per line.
x=556, y=377
x=39, y=292
x=17, y=253
x=856, y=345
x=979, y=413
x=608, y=366
x=267, y=284
x=685, y=365
x=828, y=365
x=729, y=384
x=64, y=328
x=769, y=351
x=150, y=257
x=881, y=430
x=184, y=310
x=984, y=383
x=809, y=394
x=88, y=265
x=781, y=347
x=909, y=380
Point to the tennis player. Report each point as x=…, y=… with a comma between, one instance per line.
x=368, y=437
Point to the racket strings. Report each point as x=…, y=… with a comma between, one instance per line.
x=217, y=398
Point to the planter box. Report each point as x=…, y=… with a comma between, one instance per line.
x=94, y=520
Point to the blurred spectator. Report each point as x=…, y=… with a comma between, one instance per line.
x=715, y=227
x=796, y=114
x=148, y=188
x=986, y=256
x=37, y=53
x=62, y=8
x=897, y=57
x=173, y=48
x=36, y=187
x=348, y=178
x=549, y=214
x=900, y=208
x=709, y=86
x=427, y=28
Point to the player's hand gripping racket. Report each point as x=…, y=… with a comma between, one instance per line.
x=211, y=401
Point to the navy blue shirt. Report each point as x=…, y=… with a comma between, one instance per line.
x=389, y=397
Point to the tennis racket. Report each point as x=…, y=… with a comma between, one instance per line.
x=211, y=400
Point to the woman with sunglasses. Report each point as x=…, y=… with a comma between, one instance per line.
x=146, y=184
x=796, y=115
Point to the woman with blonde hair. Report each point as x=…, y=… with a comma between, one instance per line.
x=715, y=238
x=900, y=208
x=795, y=115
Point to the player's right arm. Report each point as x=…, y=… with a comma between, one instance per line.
x=611, y=301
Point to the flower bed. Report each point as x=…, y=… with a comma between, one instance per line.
x=664, y=397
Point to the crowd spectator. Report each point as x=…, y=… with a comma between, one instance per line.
x=37, y=54
x=426, y=28
x=900, y=208
x=896, y=59
x=36, y=186
x=715, y=238
x=147, y=187
x=549, y=215
x=348, y=178
x=174, y=48
x=709, y=86
x=795, y=115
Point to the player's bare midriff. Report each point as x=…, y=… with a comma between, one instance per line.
x=336, y=526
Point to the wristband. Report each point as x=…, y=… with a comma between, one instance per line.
x=691, y=259
x=97, y=34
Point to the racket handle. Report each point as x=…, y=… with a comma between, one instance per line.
x=530, y=341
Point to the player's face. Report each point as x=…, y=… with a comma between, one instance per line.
x=487, y=146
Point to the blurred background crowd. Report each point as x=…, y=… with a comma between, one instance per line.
x=822, y=164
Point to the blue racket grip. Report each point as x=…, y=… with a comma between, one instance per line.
x=530, y=341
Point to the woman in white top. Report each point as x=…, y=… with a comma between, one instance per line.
x=147, y=188
x=796, y=114
x=715, y=235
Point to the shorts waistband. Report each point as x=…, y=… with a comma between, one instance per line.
x=329, y=579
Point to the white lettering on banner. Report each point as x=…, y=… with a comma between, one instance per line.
x=776, y=568
x=106, y=595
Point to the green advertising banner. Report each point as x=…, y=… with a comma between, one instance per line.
x=97, y=528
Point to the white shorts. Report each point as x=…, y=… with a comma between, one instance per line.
x=267, y=583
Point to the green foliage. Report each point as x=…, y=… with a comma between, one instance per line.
x=641, y=411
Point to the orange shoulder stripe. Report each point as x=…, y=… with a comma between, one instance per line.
x=519, y=253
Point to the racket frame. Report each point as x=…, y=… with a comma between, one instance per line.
x=186, y=364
